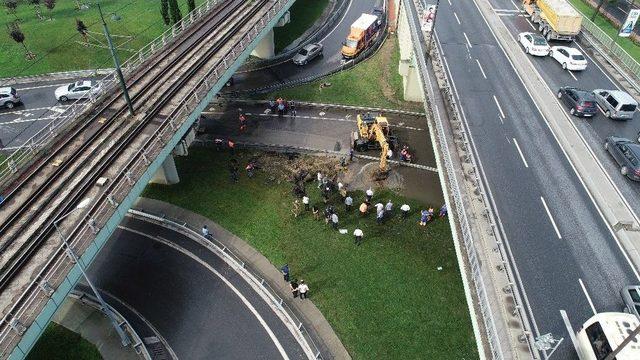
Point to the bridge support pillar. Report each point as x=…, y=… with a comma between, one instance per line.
x=167, y=174
x=265, y=48
x=407, y=67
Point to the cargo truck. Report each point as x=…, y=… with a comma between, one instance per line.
x=556, y=19
x=362, y=32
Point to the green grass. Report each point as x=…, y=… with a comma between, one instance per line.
x=374, y=82
x=385, y=299
x=60, y=343
x=304, y=13
x=54, y=41
x=603, y=23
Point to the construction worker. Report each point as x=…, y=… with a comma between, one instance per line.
x=232, y=146
x=243, y=122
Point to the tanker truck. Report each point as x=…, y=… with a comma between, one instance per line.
x=556, y=19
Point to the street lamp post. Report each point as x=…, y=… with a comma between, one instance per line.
x=123, y=336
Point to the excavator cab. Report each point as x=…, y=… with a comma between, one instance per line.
x=372, y=132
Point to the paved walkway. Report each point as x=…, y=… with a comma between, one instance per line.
x=318, y=327
x=94, y=326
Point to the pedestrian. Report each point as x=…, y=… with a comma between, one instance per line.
x=424, y=217
x=316, y=212
x=303, y=289
x=405, y=210
x=296, y=208
x=388, y=208
x=443, y=211
x=272, y=105
x=389, y=154
x=430, y=214
x=285, y=272
x=218, y=143
x=305, y=201
x=348, y=202
x=325, y=194
x=292, y=109
x=379, y=207
x=379, y=217
x=250, y=167
x=357, y=236
x=232, y=146
x=293, y=285
x=363, y=209
x=340, y=186
x=233, y=169
x=205, y=231
x=351, y=155
x=369, y=194
x=319, y=177
x=243, y=122
x=334, y=220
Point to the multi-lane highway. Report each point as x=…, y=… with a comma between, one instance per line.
x=565, y=256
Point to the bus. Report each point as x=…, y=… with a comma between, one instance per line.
x=604, y=332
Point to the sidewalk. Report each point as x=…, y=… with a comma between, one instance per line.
x=330, y=345
x=94, y=326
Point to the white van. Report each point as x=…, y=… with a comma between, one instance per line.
x=616, y=104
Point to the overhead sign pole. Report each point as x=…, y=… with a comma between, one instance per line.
x=627, y=27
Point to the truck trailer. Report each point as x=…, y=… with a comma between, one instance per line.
x=362, y=32
x=556, y=19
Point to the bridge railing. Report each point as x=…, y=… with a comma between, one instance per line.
x=249, y=273
x=30, y=303
x=61, y=121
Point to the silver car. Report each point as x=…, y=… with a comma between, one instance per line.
x=307, y=53
x=615, y=104
x=9, y=97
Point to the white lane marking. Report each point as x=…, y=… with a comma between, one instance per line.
x=598, y=66
x=21, y=120
x=584, y=289
x=41, y=87
x=573, y=76
x=21, y=112
x=449, y=1
x=553, y=222
x=566, y=155
x=481, y=69
x=567, y=324
x=468, y=42
x=339, y=22
x=499, y=107
x=457, y=18
x=521, y=155
x=227, y=282
x=621, y=9
x=58, y=109
x=506, y=10
x=531, y=24
x=514, y=5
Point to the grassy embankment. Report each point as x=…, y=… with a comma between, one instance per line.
x=60, y=343
x=385, y=299
x=57, y=43
x=304, y=13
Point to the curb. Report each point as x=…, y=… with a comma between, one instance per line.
x=333, y=106
x=54, y=76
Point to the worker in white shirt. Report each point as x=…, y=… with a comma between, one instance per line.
x=334, y=220
x=305, y=201
x=369, y=194
x=303, y=289
x=388, y=209
x=405, y=210
x=348, y=202
x=358, y=236
x=205, y=231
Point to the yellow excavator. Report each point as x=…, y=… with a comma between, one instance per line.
x=374, y=133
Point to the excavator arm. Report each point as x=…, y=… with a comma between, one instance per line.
x=384, y=146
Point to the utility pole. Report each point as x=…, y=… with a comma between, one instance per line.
x=116, y=61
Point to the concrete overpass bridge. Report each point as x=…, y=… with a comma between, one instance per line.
x=76, y=180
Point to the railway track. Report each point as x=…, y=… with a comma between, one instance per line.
x=30, y=224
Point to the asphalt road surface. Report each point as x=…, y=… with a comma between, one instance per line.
x=565, y=256
x=199, y=314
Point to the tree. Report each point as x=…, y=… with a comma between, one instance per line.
x=50, y=4
x=18, y=36
x=82, y=29
x=191, y=4
x=11, y=6
x=164, y=11
x=36, y=7
x=174, y=9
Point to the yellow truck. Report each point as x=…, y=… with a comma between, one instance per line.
x=362, y=32
x=556, y=19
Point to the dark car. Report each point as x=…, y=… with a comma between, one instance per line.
x=627, y=155
x=631, y=297
x=580, y=102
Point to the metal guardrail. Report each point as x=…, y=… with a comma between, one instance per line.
x=496, y=348
x=29, y=304
x=25, y=152
x=136, y=342
x=250, y=274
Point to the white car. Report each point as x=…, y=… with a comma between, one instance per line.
x=569, y=58
x=534, y=44
x=77, y=90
